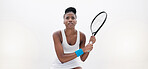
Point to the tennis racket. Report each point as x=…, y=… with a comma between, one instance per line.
x=97, y=23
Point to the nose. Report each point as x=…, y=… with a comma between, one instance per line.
x=70, y=20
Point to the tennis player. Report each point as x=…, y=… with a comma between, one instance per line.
x=70, y=45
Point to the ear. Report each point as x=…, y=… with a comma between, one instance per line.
x=76, y=21
x=63, y=22
x=63, y=16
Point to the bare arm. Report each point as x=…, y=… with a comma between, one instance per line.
x=82, y=45
x=59, y=50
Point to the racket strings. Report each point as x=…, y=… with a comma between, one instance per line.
x=98, y=22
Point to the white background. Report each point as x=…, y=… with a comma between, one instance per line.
x=26, y=28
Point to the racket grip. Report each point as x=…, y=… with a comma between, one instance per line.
x=90, y=42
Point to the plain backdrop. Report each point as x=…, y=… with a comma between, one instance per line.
x=26, y=28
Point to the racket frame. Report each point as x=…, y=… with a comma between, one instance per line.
x=94, y=33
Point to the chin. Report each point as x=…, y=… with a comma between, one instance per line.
x=71, y=27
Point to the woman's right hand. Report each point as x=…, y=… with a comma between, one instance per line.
x=88, y=48
x=92, y=40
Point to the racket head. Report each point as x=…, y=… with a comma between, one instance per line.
x=98, y=22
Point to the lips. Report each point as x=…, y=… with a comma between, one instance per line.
x=70, y=23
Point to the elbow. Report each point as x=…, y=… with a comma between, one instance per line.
x=62, y=60
x=83, y=60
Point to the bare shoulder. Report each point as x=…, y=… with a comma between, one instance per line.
x=57, y=35
x=82, y=36
x=82, y=40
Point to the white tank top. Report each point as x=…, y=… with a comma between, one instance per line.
x=68, y=49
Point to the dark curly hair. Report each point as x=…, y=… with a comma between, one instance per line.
x=70, y=9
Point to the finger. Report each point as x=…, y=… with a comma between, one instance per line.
x=92, y=36
x=91, y=44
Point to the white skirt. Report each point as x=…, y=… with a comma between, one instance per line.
x=67, y=65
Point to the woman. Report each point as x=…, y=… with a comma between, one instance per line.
x=70, y=44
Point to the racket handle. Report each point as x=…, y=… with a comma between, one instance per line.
x=90, y=42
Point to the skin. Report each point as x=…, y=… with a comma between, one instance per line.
x=71, y=36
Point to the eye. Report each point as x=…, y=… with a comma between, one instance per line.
x=67, y=17
x=73, y=17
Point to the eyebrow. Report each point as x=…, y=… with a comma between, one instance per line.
x=68, y=16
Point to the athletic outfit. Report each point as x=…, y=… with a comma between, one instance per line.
x=68, y=49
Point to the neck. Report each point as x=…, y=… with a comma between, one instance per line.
x=70, y=31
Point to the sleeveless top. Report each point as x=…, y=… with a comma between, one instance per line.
x=68, y=49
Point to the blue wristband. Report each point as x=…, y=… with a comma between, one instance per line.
x=79, y=52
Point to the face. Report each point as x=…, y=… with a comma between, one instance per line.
x=70, y=20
